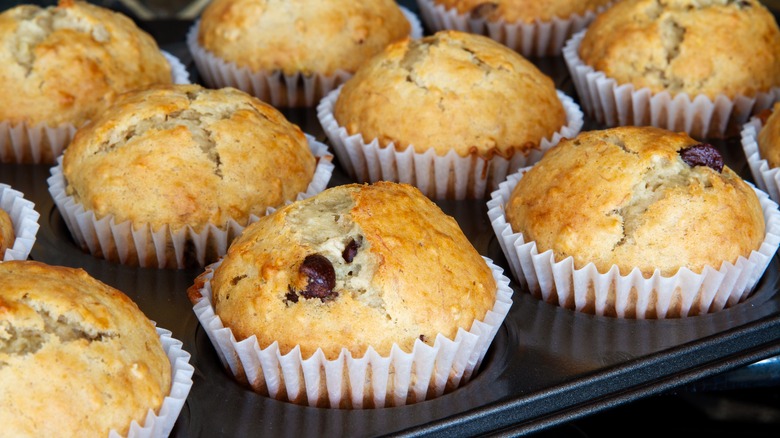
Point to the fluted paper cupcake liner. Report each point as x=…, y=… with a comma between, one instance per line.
x=139, y=244
x=24, y=219
x=538, y=38
x=41, y=143
x=159, y=424
x=620, y=105
x=767, y=178
x=274, y=87
x=683, y=294
x=373, y=380
x=437, y=176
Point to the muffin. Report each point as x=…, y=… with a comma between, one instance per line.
x=531, y=27
x=683, y=65
x=344, y=283
x=60, y=66
x=6, y=232
x=761, y=144
x=71, y=347
x=448, y=101
x=292, y=53
x=18, y=224
x=635, y=222
x=178, y=171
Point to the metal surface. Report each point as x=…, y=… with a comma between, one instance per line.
x=547, y=365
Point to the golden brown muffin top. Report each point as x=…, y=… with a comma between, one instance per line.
x=629, y=197
x=769, y=138
x=525, y=11
x=451, y=91
x=7, y=236
x=63, y=64
x=187, y=156
x=707, y=47
x=354, y=266
x=77, y=357
x=306, y=36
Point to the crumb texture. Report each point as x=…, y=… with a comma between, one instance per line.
x=524, y=11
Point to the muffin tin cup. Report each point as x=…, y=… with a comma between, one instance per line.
x=632, y=296
x=139, y=244
x=159, y=424
x=274, y=87
x=24, y=219
x=449, y=176
x=539, y=38
x=371, y=381
x=767, y=178
x=41, y=143
x=620, y=105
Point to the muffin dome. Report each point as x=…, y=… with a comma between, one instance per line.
x=451, y=91
x=769, y=138
x=637, y=197
x=64, y=64
x=78, y=357
x=187, y=156
x=707, y=47
x=355, y=266
x=522, y=10
x=307, y=36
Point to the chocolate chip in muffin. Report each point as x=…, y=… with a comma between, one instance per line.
x=702, y=154
x=483, y=10
x=321, y=277
x=351, y=249
x=290, y=296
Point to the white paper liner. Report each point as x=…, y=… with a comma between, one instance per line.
x=24, y=219
x=41, y=143
x=159, y=424
x=138, y=244
x=767, y=178
x=620, y=105
x=437, y=176
x=559, y=282
x=539, y=38
x=371, y=381
x=274, y=87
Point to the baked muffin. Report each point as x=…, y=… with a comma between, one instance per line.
x=72, y=347
x=714, y=49
x=6, y=232
x=61, y=65
x=639, y=202
x=761, y=143
x=357, y=270
x=449, y=92
x=18, y=224
x=769, y=138
x=326, y=40
x=532, y=27
x=138, y=162
x=522, y=10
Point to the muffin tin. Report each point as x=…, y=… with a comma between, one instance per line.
x=546, y=365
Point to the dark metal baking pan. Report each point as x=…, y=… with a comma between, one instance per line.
x=547, y=365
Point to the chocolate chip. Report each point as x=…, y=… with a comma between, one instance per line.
x=483, y=10
x=350, y=250
x=422, y=338
x=702, y=154
x=236, y=279
x=291, y=296
x=321, y=277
